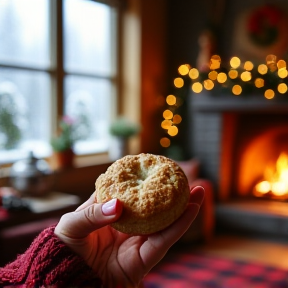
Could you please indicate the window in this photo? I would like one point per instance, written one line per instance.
(54, 64)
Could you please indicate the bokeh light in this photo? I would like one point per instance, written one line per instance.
(173, 131)
(178, 82)
(177, 119)
(184, 69)
(259, 82)
(213, 79)
(237, 90)
(193, 73)
(281, 64)
(248, 65)
(222, 77)
(282, 73)
(166, 124)
(167, 114)
(235, 62)
(213, 75)
(171, 100)
(208, 84)
(233, 74)
(246, 76)
(269, 94)
(282, 88)
(262, 69)
(197, 87)
(165, 142)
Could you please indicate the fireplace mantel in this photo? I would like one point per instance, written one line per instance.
(212, 102)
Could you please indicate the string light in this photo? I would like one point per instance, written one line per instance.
(257, 77)
(193, 73)
(178, 82)
(171, 100)
(262, 69)
(184, 69)
(269, 94)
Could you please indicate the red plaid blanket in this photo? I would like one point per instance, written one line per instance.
(204, 271)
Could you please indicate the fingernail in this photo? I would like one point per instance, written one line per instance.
(109, 208)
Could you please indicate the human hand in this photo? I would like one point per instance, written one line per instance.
(118, 258)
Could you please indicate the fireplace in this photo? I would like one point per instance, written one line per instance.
(242, 143)
(258, 154)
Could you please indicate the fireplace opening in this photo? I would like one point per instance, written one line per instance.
(257, 157)
(274, 183)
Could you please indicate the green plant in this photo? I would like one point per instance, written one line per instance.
(122, 127)
(10, 132)
(67, 135)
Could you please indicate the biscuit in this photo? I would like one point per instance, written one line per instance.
(153, 189)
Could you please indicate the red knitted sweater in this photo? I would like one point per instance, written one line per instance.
(48, 262)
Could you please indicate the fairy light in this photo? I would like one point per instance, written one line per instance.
(184, 69)
(208, 84)
(165, 142)
(281, 64)
(248, 76)
(173, 131)
(221, 77)
(259, 82)
(282, 88)
(177, 119)
(235, 62)
(166, 124)
(193, 73)
(282, 73)
(248, 65)
(213, 75)
(262, 69)
(233, 74)
(236, 90)
(197, 87)
(171, 100)
(167, 114)
(178, 82)
(269, 94)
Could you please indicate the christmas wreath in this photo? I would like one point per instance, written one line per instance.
(263, 25)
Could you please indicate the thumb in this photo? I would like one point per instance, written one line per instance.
(79, 224)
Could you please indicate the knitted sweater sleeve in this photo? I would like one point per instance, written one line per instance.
(48, 262)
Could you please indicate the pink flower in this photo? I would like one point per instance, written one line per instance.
(68, 120)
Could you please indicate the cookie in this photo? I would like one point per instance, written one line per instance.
(153, 189)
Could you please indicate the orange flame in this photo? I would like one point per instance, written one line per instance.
(275, 179)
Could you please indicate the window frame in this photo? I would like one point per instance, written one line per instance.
(56, 70)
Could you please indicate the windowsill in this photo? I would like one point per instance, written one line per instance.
(91, 160)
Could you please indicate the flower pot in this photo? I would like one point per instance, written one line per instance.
(64, 159)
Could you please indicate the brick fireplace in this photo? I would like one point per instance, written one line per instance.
(235, 138)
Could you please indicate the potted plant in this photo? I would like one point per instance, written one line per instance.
(62, 144)
(121, 130)
(11, 116)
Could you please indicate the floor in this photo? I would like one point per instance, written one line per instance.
(238, 247)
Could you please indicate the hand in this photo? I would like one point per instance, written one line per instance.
(118, 258)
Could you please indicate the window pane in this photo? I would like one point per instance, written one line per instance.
(89, 101)
(24, 32)
(24, 112)
(87, 37)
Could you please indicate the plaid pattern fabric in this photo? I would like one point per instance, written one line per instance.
(203, 271)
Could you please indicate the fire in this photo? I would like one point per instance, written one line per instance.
(275, 180)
